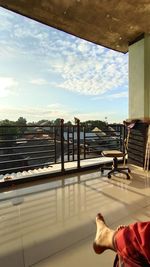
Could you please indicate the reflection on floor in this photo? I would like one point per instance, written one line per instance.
(53, 223)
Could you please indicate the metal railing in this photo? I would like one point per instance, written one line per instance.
(32, 147)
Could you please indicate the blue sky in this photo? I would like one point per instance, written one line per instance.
(48, 74)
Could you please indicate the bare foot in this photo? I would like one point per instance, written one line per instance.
(104, 236)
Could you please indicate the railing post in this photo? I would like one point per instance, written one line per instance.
(55, 143)
(68, 147)
(62, 144)
(120, 131)
(84, 144)
(77, 121)
(123, 138)
(73, 142)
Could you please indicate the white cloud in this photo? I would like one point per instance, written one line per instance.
(112, 96)
(112, 116)
(54, 111)
(7, 86)
(5, 19)
(94, 115)
(39, 81)
(50, 112)
(6, 50)
(81, 67)
(86, 69)
(119, 95)
(83, 47)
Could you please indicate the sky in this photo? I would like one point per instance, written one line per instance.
(48, 74)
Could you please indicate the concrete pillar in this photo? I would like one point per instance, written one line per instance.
(139, 79)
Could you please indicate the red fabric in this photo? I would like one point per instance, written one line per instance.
(133, 245)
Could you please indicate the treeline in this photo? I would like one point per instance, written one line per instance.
(23, 122)
(19, 127)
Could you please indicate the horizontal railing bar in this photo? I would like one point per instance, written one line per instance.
(20, 147)
(103, 146)
(136, 148)
(102, 143)
(101, 138)
(17, 134)
(134, 139)
(96, 151)
(51, 146)
(26, 153)
(25, 140)
(92, 136)
(115, 131)
(135, 142)
(25, 159)
(135, 158)
(93, 151)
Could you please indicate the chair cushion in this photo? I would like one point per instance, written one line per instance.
(112, 153)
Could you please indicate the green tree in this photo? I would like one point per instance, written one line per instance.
(68, 123)
(8, 129)
(21, 121)
(22, 125)
(57, 121)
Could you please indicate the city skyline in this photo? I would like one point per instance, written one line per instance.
(47, 74)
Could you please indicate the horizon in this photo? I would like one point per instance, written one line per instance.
(48, 74)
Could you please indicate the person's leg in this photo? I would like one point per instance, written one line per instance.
(133, 244)
(130, 242)
(104, 236)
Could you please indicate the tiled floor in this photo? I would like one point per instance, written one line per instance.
(52, 224)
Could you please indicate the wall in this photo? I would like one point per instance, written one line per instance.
(136, 80)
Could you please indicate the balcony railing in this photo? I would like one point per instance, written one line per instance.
(32, 147)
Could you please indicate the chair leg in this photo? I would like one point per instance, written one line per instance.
(109, 173)
(116, 169)
(126, 173)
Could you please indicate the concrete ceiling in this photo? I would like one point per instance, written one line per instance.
(111, 23)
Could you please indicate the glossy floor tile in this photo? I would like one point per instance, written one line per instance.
(53, 223)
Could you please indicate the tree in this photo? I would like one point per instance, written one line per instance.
(68, 123)
(57, 122)
(22, 125)
(8, 129)
(21, 121)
